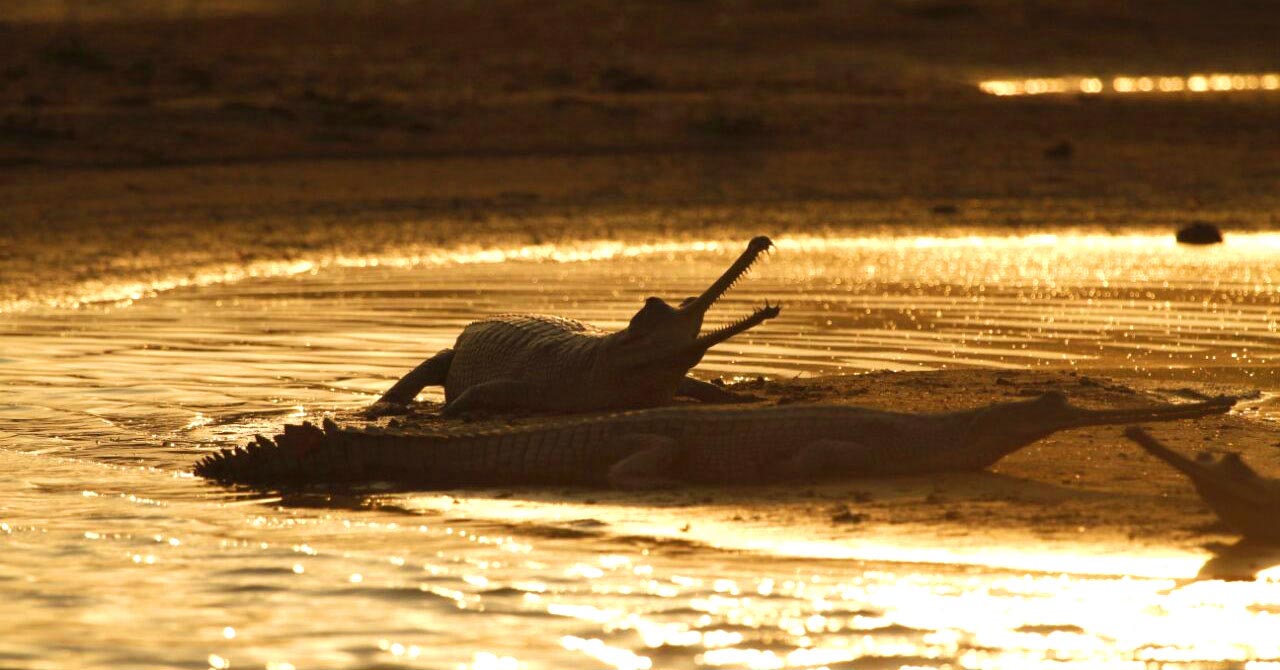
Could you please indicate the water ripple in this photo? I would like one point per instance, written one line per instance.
(115, 557)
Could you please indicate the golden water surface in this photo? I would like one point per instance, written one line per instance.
(112, 555)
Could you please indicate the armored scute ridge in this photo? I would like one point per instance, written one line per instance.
(669, 446)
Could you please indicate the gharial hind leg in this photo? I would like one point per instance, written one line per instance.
(431, 372)
(826, 458)
(649, 465)
(498, 394)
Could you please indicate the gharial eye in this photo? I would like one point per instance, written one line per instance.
(654, 312)
(1053, 398)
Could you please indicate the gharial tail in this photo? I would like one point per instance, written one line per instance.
(301, 454)
(304, 455)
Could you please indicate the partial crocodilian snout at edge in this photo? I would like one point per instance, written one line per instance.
(1243, 499)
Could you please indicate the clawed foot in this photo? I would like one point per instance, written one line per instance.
(384, 408)
(731, 398)
(718, 394)
(460, 412)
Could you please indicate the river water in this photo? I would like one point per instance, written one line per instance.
(112, 555)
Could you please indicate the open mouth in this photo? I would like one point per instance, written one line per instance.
(755, 248)
(745, 323)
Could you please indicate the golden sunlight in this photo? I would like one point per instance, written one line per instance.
(1124, 84)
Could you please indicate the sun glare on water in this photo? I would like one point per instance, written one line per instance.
(1130, 84)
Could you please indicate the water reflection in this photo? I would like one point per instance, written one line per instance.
(114, 557)
(1243, 560)
(215, 360)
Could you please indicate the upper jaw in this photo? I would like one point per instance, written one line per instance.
(693, 310)
(699, 305)
(697, 308)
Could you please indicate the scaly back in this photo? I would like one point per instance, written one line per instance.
(527, 347)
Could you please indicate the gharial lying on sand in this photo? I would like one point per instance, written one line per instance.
(1242, 498)
(521, 361)
(660, 447)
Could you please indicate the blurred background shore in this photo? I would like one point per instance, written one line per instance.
(140, 136)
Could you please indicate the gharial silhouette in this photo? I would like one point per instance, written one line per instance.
(521, 361)
(674, 445)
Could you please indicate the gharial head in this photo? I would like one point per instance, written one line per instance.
(990, 433)
(666, 336)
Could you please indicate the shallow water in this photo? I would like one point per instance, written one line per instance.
(116, 557)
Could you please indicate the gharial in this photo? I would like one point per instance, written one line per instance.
(521, 361)
(659, 447)
(1243, 499)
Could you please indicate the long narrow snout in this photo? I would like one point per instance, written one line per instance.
(999, 430)
(699, 305)
(696, 308)
(1102, 417)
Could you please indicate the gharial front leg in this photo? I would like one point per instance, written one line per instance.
(431, 372)
(707, 392)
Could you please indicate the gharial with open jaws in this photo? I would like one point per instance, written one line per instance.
(548, 363)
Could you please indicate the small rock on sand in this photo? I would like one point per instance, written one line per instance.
(846, 515)
(1061, 151)
(1199, 232)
